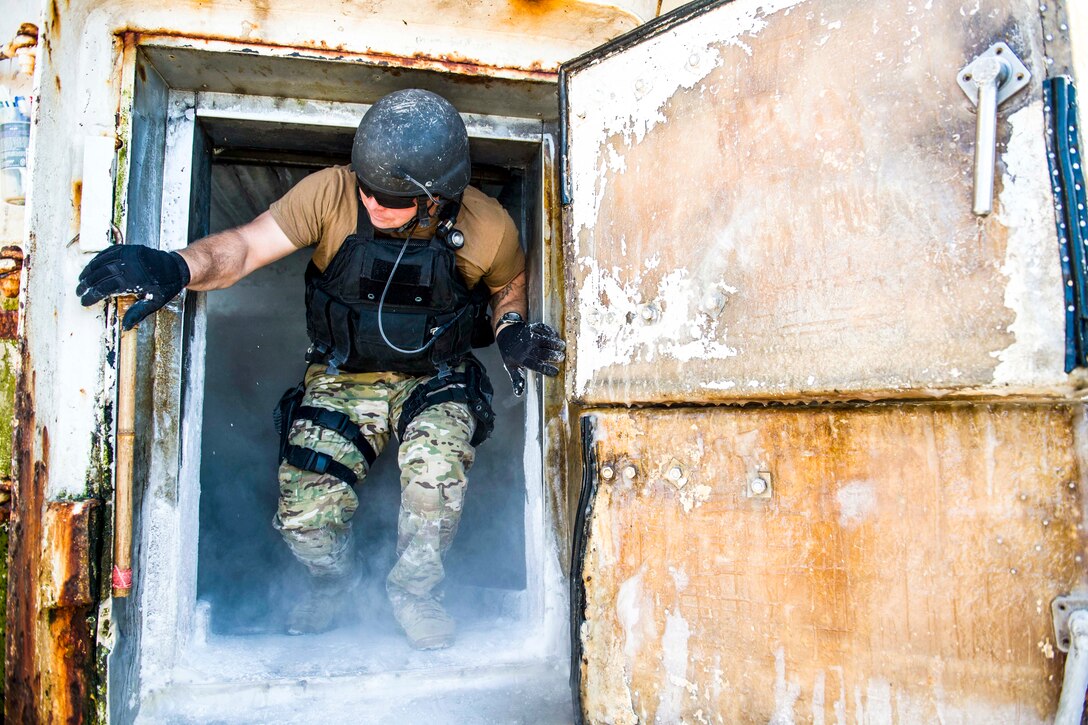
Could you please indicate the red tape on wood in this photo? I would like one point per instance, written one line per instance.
(122, 578)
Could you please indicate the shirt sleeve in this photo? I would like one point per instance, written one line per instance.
(302, 212)
(509, 259)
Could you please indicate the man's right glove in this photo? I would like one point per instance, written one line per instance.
(156, 277)
(532, 345)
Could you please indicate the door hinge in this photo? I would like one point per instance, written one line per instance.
(1067, 178)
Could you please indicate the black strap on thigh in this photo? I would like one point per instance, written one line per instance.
(470, 387)
(290, 409)
(339, 423)
(310, 460)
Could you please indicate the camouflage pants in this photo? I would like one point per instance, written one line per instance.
(315, 510)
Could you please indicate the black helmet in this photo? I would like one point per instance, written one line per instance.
(412, 143)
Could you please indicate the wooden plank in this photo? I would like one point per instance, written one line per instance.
(901, 571)
(773, 200)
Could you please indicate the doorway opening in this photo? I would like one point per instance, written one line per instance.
(216, 579)
(256, 337)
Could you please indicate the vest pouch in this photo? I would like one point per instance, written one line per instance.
(284, 414)
(456, 340)
(406, 330)
(319, 317)
(421, 279)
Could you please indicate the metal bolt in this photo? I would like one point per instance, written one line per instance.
(648, 313)
(675, 473)
(630, 472)
(758, 486)
(607, 473)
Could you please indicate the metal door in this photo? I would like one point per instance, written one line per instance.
(774, 200)
(876, 564)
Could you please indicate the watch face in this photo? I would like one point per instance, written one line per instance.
(511, 317)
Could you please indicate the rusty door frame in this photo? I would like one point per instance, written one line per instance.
(169, 511)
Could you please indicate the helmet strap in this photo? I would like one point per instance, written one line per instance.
(423, 212)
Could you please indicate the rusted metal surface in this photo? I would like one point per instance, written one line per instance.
(11, 267)
(524, 40)
(457, 63)
(23, 676)
(48, 650)
(49, 618)
(750, 220)
(9, 324)
(289, 73)
(67, 550)
(900, 570)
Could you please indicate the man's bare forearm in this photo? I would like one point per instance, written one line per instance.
(511, 298)
(220, 260)
(216, 261)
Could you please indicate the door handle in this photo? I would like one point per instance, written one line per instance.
(989, 80)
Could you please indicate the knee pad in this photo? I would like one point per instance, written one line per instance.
(430, 500)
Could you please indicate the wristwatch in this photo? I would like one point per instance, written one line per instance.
(508, 318)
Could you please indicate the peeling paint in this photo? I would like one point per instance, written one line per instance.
(616, 325)
(692, 497)
(624, 101)
(785, 692)
(856, 500)
(1033, 269)
(631, 602)
(674, 659)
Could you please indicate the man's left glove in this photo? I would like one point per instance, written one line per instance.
(531, 345)
(156, 277)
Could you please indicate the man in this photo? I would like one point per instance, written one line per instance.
(407, 257)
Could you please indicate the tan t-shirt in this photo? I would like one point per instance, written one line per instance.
(322, 210)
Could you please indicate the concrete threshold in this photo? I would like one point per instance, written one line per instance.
(496, 672)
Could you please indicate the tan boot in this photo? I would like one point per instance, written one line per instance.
(424, 621)
(322, 604)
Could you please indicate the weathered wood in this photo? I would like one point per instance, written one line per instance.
(901, 571)
(126, 439)
(774, 201)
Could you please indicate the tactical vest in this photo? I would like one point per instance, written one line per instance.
(428, 304)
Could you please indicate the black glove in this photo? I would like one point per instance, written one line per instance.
(532, 345)
(156, 277)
